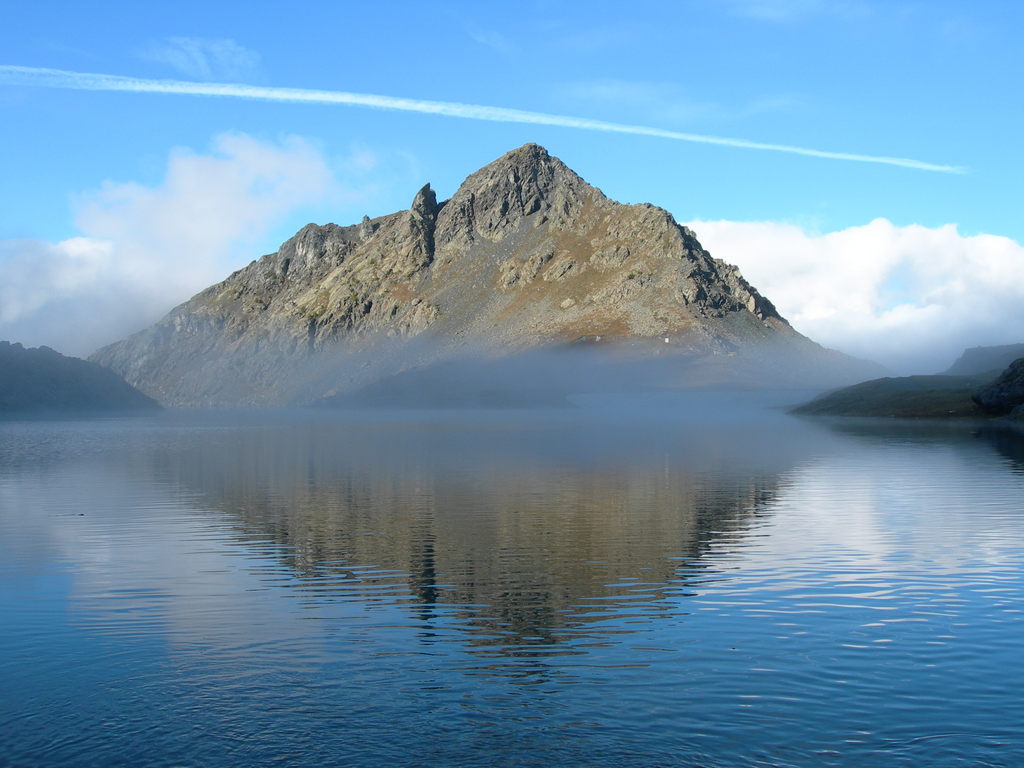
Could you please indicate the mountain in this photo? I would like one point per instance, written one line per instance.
(41, 380)
(902, 397)
(985, 360)
(526, 255)
(984, 381)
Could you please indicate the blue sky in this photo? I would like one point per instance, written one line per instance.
(937, 82)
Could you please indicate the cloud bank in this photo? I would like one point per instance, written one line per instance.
(204, 58)
(144, 249)
(910, 297)
(56, 78)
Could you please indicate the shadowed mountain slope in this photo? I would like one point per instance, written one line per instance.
(985, 360)
(40, 380)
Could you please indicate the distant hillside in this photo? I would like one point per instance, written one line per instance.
(984, 360)
(41, 380)
(983, 382)
(905, 397)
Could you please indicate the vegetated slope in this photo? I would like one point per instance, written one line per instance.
(41, 380)
(525, 255)
(908, 397)
(979, 392)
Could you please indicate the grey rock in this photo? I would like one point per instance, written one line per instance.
(425, 202)
(1004, 395)
(365, 228)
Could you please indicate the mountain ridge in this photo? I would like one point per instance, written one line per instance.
(525, 254)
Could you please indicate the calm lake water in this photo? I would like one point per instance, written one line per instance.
(643, 587)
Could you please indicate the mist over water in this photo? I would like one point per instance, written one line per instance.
(673, 372)
(694, 580)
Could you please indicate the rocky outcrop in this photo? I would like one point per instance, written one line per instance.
(1005, 395)
(41, 380)
(524, 255)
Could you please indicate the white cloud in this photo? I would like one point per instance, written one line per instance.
(204, 58)
(491, 39)
(144, 249)
(55, 271)
(911, 297)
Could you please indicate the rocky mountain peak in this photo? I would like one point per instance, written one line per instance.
(525, 254)
(493, 202)
(527, 156)
(528, 169)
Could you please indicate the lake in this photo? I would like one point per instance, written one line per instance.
(656, 584)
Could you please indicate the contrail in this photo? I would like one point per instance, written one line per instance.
(86, 81)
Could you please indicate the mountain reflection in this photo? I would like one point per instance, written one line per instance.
(518, 531)
(1005, 438)
(1008, 440)
(328, 587)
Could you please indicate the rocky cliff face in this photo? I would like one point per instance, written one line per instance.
(526, 254)
(1005, 395)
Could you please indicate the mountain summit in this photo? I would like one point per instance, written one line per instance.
(524, 255)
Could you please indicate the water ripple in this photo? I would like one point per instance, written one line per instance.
(188, 594)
